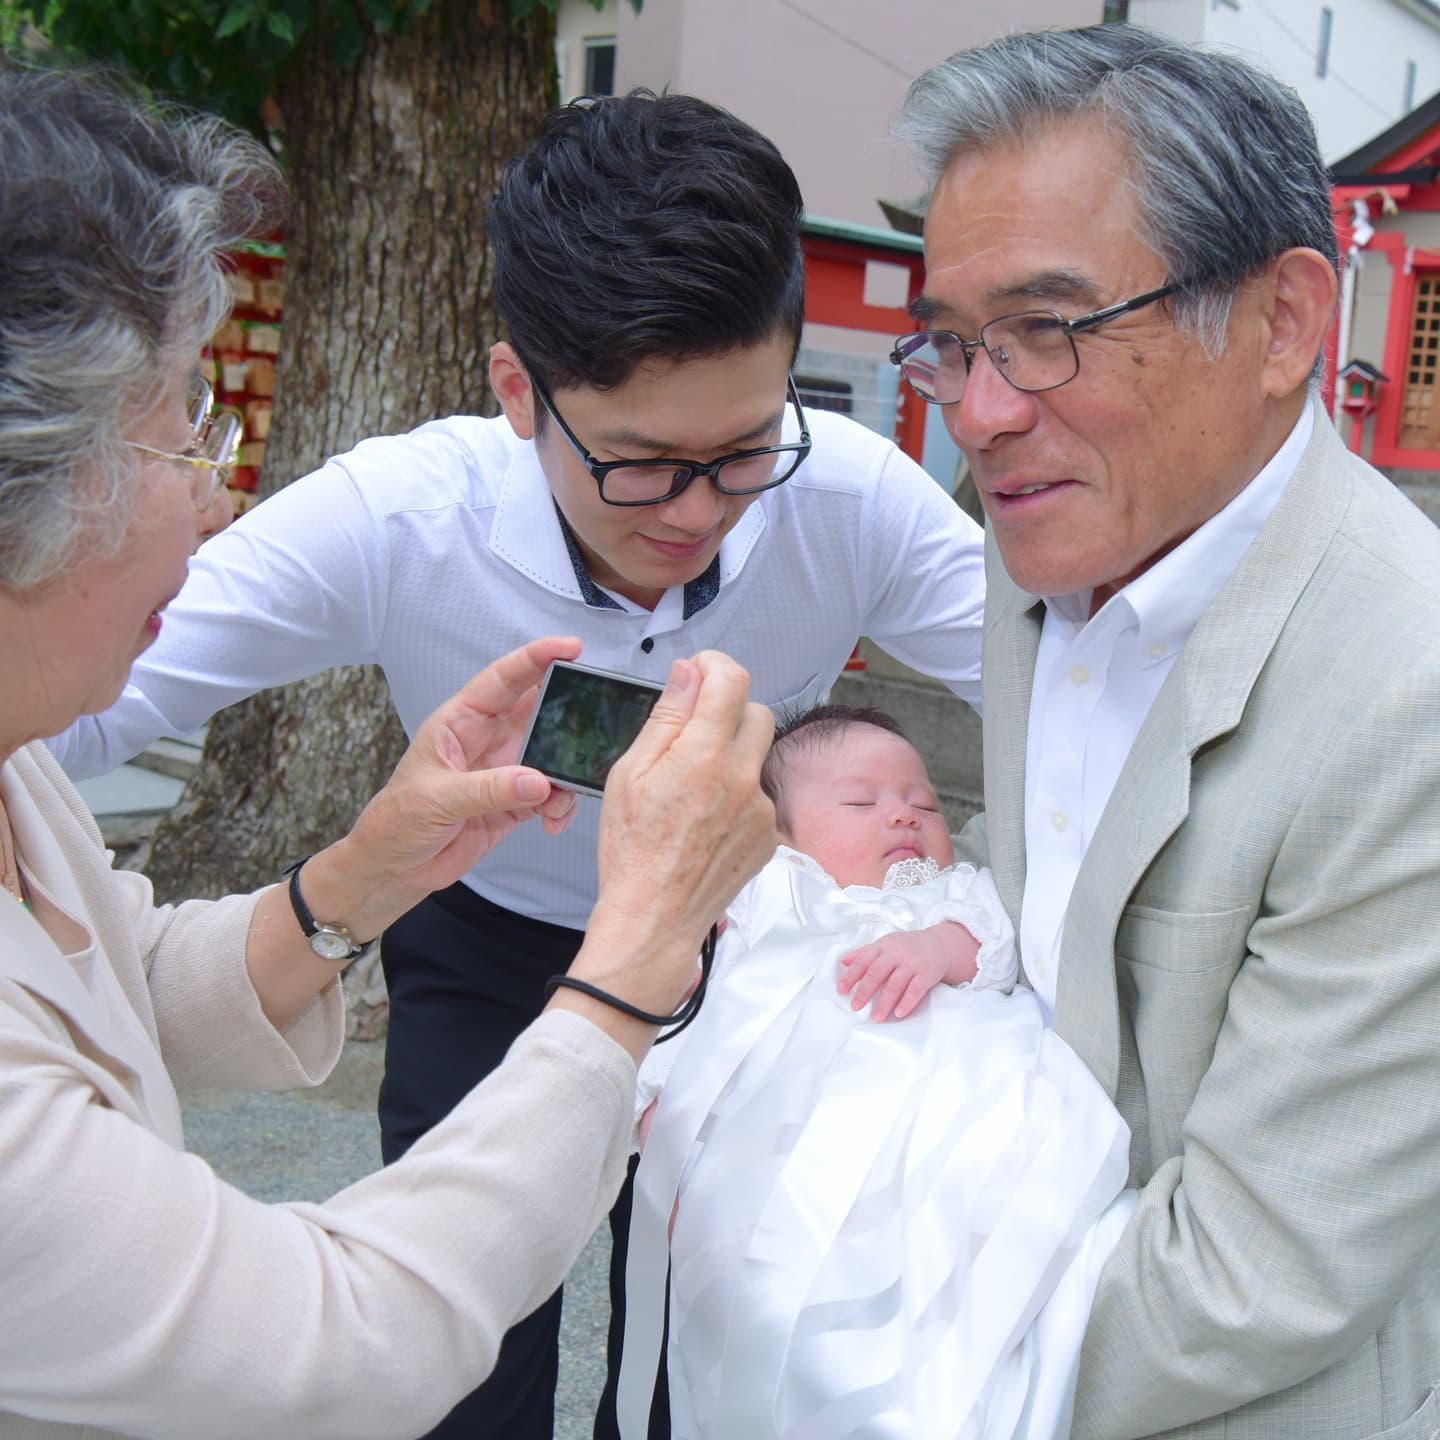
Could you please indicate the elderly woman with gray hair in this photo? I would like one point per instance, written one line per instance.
(140, 1294)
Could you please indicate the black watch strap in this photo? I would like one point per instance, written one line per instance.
(329, 942)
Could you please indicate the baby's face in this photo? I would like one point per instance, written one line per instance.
(862, 802)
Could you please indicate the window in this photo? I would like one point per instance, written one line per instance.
(600, 65)
(1409, 102)
(819, 393)
(1419, 414)
(1322, 51)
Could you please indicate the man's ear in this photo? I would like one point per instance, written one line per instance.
(511, 384)
(1300, 313)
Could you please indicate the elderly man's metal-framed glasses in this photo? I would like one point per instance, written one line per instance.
(213, 449)
(652, 482)
(1034, 350)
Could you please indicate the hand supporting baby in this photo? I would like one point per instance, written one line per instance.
(900, 969)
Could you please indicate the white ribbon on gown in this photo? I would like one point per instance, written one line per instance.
(882, 1230)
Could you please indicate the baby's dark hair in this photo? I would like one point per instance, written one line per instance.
(804, 732)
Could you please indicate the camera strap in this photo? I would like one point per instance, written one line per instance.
(678, 1021)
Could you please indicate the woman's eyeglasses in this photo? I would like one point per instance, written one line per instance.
(213, 450)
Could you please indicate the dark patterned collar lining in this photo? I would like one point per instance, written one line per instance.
(699, 592)
(590, 592)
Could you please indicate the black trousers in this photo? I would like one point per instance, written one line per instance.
(465, 978)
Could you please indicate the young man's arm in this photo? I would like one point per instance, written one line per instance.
(295, 587)
(922, 576)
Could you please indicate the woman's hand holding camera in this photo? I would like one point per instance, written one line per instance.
(456, 793)
(684, 825)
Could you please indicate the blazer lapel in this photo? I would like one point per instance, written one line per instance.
(1203, 697)
(1149, 802)
(31, 958)
(1012, 635)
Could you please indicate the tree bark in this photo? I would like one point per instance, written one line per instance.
(388, 322)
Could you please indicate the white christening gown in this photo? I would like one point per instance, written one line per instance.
(882, 1231)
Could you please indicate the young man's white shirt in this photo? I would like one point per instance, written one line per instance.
(433, 553)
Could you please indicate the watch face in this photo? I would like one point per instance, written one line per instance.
(331, 944)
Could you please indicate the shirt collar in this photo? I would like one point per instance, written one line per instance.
(590, 592)
(1167, 600)
(699, 592)
(530, 534)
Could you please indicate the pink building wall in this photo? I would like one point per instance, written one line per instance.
(822, 78)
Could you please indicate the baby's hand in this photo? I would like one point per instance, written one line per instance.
(899, 970)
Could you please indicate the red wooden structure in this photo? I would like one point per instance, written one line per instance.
(1396, 180)
(836, 259)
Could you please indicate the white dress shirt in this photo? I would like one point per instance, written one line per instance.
(1095, 681)
(432, 553)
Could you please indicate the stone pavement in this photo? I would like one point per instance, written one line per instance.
(307, 1144)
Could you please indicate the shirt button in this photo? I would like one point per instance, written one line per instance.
(1059, 822)
(647, 644)
(1081, 674)
(1157, 651)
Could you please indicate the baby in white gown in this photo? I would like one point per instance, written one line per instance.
(880, 1230)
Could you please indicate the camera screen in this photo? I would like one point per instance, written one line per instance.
(584, 722)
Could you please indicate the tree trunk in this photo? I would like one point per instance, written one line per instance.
(388, 322)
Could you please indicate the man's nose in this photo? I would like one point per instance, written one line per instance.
(990, 407)
(697, 509)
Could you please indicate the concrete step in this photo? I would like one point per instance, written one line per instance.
(128, 802)
(175, 758)
(133, 791)
(959, 807)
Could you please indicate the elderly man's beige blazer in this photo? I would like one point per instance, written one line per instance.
(1251, 966)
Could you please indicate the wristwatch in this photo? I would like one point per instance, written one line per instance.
(329, 942)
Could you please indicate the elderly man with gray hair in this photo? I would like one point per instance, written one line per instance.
(1212, 718)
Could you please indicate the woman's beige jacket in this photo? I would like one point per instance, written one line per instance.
(139, 1294)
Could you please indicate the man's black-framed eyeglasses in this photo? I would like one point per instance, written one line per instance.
(651, 482)
(1034, 350)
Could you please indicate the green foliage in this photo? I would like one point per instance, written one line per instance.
(221, 54)
(21, 22)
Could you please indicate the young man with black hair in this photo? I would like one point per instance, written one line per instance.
(654, 487)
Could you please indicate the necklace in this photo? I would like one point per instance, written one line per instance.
(9, 866)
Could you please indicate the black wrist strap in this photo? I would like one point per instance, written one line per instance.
(679, 1020)
(297, 901)
(308, 925)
